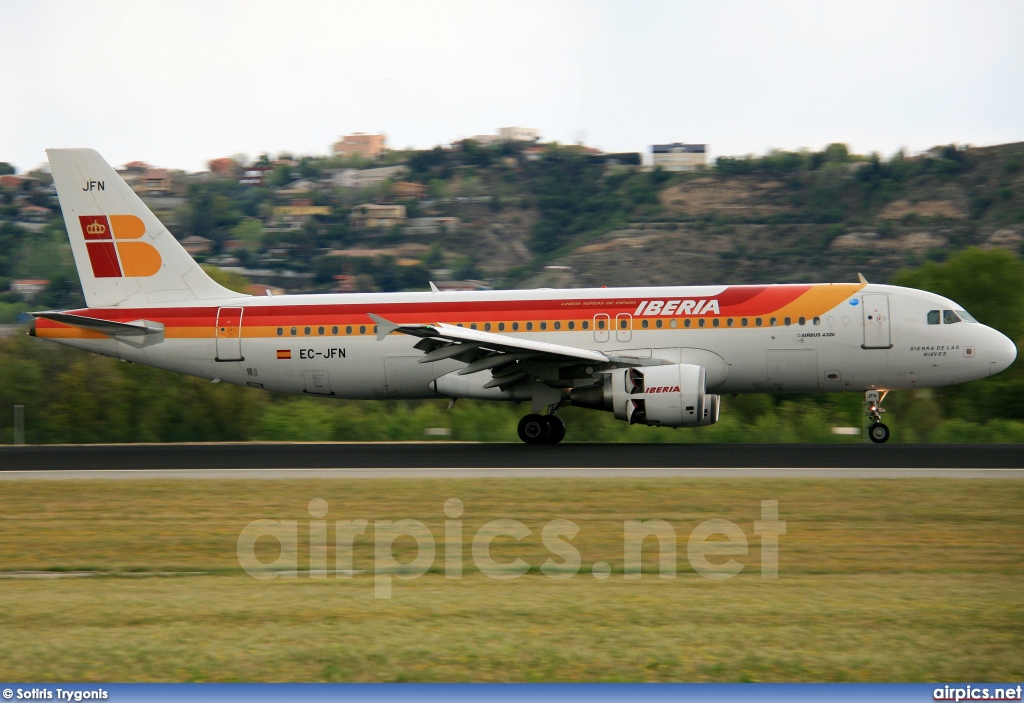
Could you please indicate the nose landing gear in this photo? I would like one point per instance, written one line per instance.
(878, 431)
(541, 429)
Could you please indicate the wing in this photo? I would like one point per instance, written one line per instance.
(509, 359)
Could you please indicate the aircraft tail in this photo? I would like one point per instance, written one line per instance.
(125, 256)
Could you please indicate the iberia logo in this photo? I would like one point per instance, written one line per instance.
(112, 251)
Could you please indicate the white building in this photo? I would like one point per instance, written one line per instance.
(519, 134)
(363, 178)
(679, 157)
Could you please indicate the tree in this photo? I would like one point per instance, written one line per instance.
(6, 169)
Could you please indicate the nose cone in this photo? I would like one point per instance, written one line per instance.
(1003, 352)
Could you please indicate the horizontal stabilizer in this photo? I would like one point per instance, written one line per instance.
(131, 329)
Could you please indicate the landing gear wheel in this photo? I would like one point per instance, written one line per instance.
(534, 429)
(556, 429)
(879, 433)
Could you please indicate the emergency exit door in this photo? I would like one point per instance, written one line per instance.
(876, 321)
(229, 334)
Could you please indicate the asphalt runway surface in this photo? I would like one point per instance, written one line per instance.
(449, 460)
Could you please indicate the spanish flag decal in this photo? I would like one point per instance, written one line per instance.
(284, 353)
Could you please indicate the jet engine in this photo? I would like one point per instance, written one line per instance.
(672, 395)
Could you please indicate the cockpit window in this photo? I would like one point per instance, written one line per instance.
(965, 316)
(933, 317)
(949, 317)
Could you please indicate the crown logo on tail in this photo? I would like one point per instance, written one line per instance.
(96, 228)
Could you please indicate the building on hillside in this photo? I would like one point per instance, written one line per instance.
(508, 134)
(195, 244)
(155, 182)
(29, 288)
(362, 145)
(486, 139)
(432, 225)
(34, 213)
(224, 166)
(344, 284)
(299, 212)
(11, 181)
(406, 190)
(255, 175)
(679, 157)
(374, 216)
(365, 177)
(519, 134)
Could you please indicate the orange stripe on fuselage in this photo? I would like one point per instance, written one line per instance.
(263, 321)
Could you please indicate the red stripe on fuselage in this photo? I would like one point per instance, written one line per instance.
(734, 301)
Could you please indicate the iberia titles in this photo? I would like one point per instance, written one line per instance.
(650, 308)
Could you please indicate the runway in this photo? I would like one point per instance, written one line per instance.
(472, 460)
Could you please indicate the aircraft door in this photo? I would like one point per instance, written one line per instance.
(229, 334)
(876, 321)
(601, 324)
(623, 327)
(318, 382)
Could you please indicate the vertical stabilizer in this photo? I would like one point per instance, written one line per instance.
(125, 256)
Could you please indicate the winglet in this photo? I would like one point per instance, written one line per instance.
(862, 279)
(433, 288)
(384, 327)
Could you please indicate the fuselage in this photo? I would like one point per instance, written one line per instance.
(800, 338)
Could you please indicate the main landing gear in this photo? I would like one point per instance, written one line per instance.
(878, 432)
(541, 429)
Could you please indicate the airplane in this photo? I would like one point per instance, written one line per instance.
(661, 355)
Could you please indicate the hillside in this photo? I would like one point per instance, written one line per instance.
(511, 215)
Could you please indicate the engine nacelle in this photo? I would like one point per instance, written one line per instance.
(671, 395)
(712, 403)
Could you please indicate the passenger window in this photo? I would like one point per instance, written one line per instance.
(543, 325)
(787, 322)
(334, 330)
(772, 322)
(586, 324)
(701, 322)
(515, 326)
(743, 322)
(280, 331)
(572, 325)
(644, 323)
(715, 322)
(362, 329)
(558, 325)
(817, 320)
(657, 323)
(472, 326)
(802, 321)
(758, 322)
(949, 317)
(622, 324)
(686, 322)
(294, 330)
(729, 322)
(600, 324)
(501, 326)
(529, 326)
(672, 323)
(933, 317)
(487, 327)
(348, 329)
(319, 330)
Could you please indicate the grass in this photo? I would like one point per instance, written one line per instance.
(887, 580)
